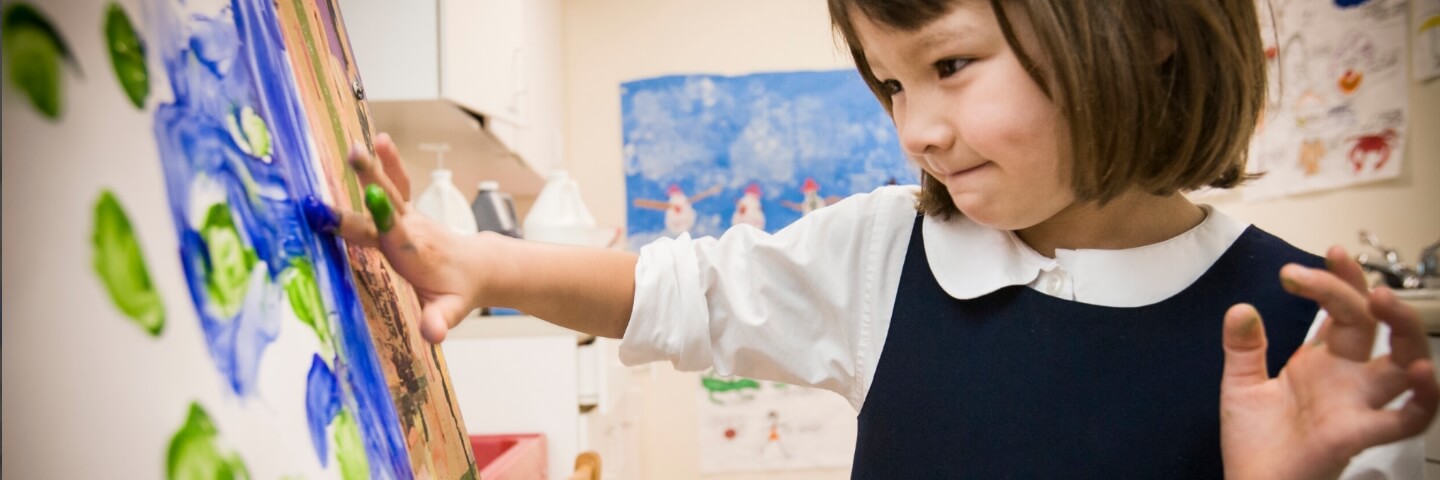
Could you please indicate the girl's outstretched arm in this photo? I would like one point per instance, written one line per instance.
(586, 289)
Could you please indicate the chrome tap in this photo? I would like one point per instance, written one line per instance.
(1429, 264)
(1396, 273)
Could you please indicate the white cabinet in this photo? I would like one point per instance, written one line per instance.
(519, 385)
(500, 58)
(519, 374)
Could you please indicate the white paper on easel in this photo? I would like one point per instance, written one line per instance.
(1426, 27)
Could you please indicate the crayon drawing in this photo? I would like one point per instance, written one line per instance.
(1336, 107)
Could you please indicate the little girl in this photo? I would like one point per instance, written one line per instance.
(1046, 305)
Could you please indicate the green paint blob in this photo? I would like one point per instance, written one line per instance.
(195, 453)
(715, 386)
(304, 295)
(228, 275)
(33, 51)
(121, 266)
(349, 449)
(380, 208)
(250, 133)
(127, 55)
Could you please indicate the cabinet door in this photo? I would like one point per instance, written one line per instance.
(482, 57)
(394, 43)
(519, 385)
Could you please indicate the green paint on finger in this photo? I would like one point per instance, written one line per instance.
(231, 260)
(196, 454)
(304, 295)
(127, 55)
(120, 265)
(349, 448)
(380, 208)
(33, 53)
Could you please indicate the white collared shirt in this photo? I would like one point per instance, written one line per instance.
(811, 304)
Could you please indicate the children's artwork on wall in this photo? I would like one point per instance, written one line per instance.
(706, 153)
(1426, 63)
(750, 425)
(1336, 107)
(170, 299)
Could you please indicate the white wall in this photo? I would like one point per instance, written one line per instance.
(612, 41)
(608, 42)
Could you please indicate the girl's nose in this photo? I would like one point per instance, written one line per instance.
(924, 127)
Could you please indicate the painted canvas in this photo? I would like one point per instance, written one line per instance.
(169, 310)
(706, 153)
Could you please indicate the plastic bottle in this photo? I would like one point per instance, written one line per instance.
(442, 201)
(559, 215)
(494, 210)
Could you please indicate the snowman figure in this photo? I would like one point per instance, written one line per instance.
(748, 210)
(679, 209)
(812, 200)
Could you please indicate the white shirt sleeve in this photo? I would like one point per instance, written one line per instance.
(793, 307)
(1404, 459)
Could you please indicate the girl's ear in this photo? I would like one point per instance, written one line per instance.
(1164, 46)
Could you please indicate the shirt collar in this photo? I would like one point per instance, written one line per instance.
(970, 260)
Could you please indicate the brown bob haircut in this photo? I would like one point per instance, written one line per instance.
(1159, 95)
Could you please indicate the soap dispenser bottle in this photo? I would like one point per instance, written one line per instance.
(442, 201)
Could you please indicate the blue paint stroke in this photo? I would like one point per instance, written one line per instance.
(771, 129)
(220, 63)
(1350, 3)
(322, 403)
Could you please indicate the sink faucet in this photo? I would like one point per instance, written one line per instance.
(1396, 273)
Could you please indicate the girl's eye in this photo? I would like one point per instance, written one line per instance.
(890, 87)
(949, 66)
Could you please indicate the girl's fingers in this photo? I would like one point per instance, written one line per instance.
(393, 166)
(358, 230)
(370, 172)
(1341, 265)
(1244, 340)
(1408, 342)
(1351, 332)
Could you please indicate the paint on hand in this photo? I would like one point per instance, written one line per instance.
(322, 403)
(250, 133)
(304, 295)
(319, 216)
(230, 261)
(127, 55)
(380, 208)
(121, 266)
(349, 449)
(196, 454)
(33, 51)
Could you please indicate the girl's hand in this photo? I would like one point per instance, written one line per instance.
(441, 265)
(1328, 404)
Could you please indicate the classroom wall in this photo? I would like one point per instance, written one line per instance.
(607, 42)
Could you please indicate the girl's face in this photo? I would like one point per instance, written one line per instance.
(969, 114)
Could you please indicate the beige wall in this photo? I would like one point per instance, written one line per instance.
(607, 42)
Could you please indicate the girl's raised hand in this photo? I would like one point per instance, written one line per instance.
(442, 266)
(1328, 403)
